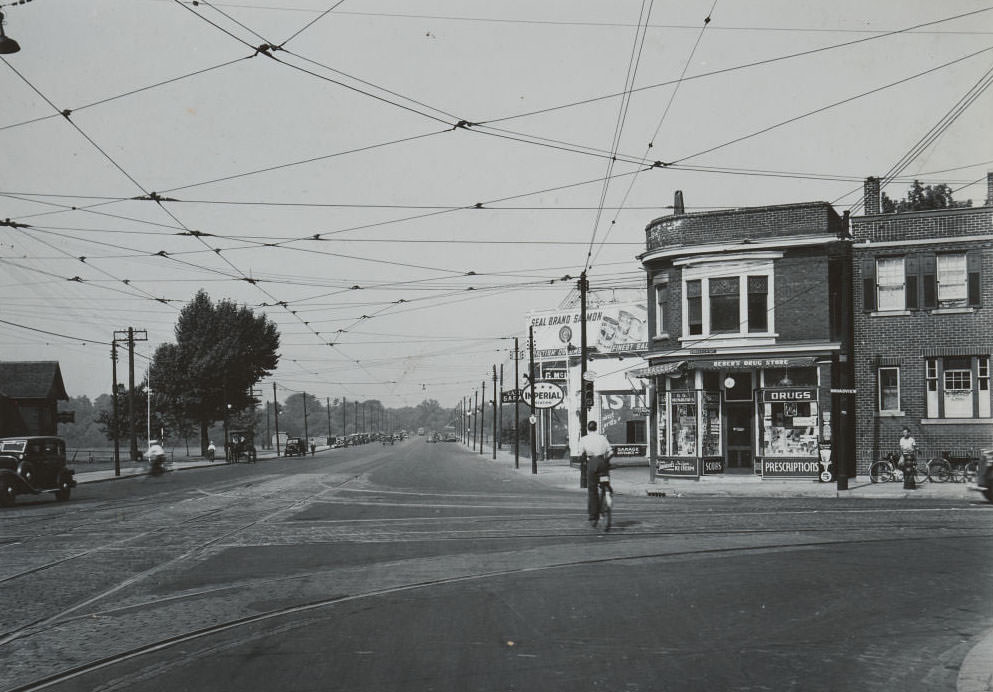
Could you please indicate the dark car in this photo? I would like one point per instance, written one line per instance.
(451, 437)
(34, 465)
(295, 447)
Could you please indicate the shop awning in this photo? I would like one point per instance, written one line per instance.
(661, 369)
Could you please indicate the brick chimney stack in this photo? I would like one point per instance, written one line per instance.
(989, 189)
(678, 208)
(872, 201)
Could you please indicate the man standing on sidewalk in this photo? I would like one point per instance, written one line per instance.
(598, 451)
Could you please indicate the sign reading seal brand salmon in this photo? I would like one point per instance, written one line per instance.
(546, 395)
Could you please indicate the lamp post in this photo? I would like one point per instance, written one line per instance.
(7, 44)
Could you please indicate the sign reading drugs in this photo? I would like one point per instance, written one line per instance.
(546, 395)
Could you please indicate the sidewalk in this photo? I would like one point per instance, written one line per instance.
(136, 469)
(635, 480)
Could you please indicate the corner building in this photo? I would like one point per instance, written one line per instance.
(923, 328)
(749, 352)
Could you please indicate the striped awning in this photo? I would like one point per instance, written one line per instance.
(660, 369)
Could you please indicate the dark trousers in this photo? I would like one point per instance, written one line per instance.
(594, 467)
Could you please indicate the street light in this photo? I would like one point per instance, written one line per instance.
(7, 44)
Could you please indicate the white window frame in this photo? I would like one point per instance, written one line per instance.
(705, 268)
(660, 292)
(891, 288)
(879, 388)
(938, 399)
(953, 283)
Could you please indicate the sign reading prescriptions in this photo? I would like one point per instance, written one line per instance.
(546, 395)
(610, 328)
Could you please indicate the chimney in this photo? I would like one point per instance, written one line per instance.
(989, 189)
(872, 202)
(677, 204)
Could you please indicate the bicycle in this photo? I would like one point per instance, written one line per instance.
(606, 502)
(891, 469)
(957, 469)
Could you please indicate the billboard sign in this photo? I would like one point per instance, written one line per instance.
(610, 328)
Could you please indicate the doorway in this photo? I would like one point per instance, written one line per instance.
(738, 432)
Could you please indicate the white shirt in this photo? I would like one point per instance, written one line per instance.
(594, 444)
(908, 445)
(154, 451)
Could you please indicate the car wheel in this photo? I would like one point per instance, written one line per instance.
(64, 491)
(7, 494)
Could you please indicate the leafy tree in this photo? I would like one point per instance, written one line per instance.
(221, 351)
(923, 198)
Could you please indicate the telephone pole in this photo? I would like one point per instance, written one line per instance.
(130, 336)
(533, 419)
(116, 428)
(496, 398)
(275, 415)
(584, 405)
(517, 406)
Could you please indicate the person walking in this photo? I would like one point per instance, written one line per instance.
(598, 451)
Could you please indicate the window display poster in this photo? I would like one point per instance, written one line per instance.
(789, 429)
(663, 449)
(711, 433)
(684, 430)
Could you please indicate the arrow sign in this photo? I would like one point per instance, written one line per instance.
(546, 395)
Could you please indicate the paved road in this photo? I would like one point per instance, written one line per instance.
(425, 567)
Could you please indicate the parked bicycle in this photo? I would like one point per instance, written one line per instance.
(892, 469)
(956, 468)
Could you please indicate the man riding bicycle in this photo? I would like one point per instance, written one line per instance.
(598, 451)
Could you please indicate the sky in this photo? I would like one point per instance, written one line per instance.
(397, 184)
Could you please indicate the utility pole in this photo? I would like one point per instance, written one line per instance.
(475, 422)
(116, 428)
(532, 418)
(500, 409)
(268, 437)
(306, 431)
(517, 405)
(584, 405)
(328, 400)
(344, 421)
(275, 415)
(496, 397)
(482, 418)
(130, 336)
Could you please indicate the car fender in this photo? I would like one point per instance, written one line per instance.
(19, 485)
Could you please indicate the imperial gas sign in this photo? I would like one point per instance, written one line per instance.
(546, 395)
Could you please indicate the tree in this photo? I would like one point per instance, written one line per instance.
(221, 351)
(923, 198)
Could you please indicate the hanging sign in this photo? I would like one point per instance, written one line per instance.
(509, 396)
(546, 395)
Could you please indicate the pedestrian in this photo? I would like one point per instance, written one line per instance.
(598, 451)
(908, 448)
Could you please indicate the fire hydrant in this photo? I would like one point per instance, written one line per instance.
(909, 466)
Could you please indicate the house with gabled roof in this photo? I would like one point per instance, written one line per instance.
(29, 396)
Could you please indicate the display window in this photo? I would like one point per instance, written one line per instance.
(789, 423)
(683, 416)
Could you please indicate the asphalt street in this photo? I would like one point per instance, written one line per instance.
(427, 567)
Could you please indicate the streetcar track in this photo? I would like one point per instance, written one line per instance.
(304, 608)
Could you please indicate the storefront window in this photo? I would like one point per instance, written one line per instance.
(711, 433)
(789, 423)
(684, 423)
(663, 448)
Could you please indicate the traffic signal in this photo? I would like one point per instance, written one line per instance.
(588, 394)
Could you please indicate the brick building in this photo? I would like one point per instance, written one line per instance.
(923, 327)
(750, 331)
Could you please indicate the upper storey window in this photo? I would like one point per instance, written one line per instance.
(728, 298)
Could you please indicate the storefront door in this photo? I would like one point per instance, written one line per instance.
(738, 433)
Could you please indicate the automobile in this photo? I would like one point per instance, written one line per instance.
(295, 447)
(34, 465)
(451, 437)
(984, 474)
(431, 437)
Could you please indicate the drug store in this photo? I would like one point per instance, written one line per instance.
(767, 416)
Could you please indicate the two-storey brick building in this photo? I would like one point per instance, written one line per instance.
(750, 331)
(923, 327)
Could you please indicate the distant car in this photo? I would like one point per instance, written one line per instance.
(34, 465)
(295, 447)
(431, 437)
(451, 437)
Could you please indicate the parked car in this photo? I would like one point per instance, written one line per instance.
(984, 474)
(34, 465)
(295, 447)
(451, 437)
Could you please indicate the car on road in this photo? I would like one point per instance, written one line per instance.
(451, 437)
(295, 447)
(431, 437)
(34, 465)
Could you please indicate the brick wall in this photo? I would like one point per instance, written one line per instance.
(735, 225)
(903, 339)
